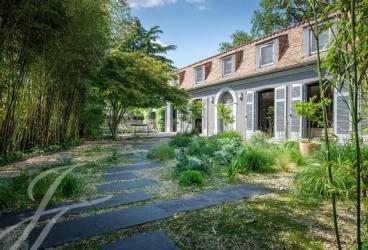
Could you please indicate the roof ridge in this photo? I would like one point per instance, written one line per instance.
(247, 43)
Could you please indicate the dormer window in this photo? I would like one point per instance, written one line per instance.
(228, 65)
(266, 54)
(199, 74)
(323, 38)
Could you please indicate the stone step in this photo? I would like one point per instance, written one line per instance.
(135, 166)
(121, 176)
(9, 219)
(118, 186)
(67, 231)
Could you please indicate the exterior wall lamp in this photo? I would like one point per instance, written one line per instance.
(241, 96)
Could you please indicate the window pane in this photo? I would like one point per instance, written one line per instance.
(267, 55)
(199, 74)
(227, 66)
(323, 41)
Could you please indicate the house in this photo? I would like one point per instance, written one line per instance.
(260, 81)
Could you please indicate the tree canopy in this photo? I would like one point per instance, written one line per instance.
(239, 37)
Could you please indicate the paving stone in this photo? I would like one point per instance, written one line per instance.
(116, 186)
(77, 229)
(156, 240)
(134, 166)
(9, 219)
(121, 176)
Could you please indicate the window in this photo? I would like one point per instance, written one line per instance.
(199, 74)
(266, 54)
(227, 66)
(324, 37)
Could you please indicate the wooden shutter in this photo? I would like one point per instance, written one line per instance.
(280, 113)
(249, 109)
(342, 118)
(204, 116)
(296, 123)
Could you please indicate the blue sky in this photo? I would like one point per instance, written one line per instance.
(195, 26)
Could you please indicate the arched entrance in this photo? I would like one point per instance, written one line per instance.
(227, 97)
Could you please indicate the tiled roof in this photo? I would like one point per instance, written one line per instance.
(256, 40)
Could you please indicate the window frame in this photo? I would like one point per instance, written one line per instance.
(232, 60)
(311, 35)
(203, 74)
(260, 54)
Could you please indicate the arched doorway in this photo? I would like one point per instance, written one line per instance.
(227, 97)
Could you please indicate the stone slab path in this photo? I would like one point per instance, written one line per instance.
(9, 219)
(136, 166)
(118, 186)
(121, 176)
(156, 240)
(77, 229)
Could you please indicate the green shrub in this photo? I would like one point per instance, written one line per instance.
(290, 150)
(13, 190)
(229, 148)
(191, 177)
(231, 134)
(284, 162)
(199, 163)
(71, 186)
(255, 159)
(233, 169)
(313, 180)
(339, 153)
(162, 152)
(259, 139)
(180, 141)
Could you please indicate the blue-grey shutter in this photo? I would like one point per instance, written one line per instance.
(280, 113)
(168, 118)
(258, 57)
(306, 41)
(204, 116)
(342, 118)
(296, 122)
(249, 115)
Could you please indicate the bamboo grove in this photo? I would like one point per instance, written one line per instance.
(47, 51)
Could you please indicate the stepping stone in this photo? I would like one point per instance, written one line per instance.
(122, 176)
(156, 240)
(9, 219)
(116, 186)
(77, 229)
(136, 166)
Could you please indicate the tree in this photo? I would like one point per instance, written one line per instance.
(225, 114)
(347, 67)
(136, 38)
(134, 80)
(239, 37)
(274, 15)
(48, 51)
(312, 111)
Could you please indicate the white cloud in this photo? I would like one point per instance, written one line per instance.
(202, 7)
(200, 4)
(148, 3)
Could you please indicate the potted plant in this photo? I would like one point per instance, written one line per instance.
(311, 110)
